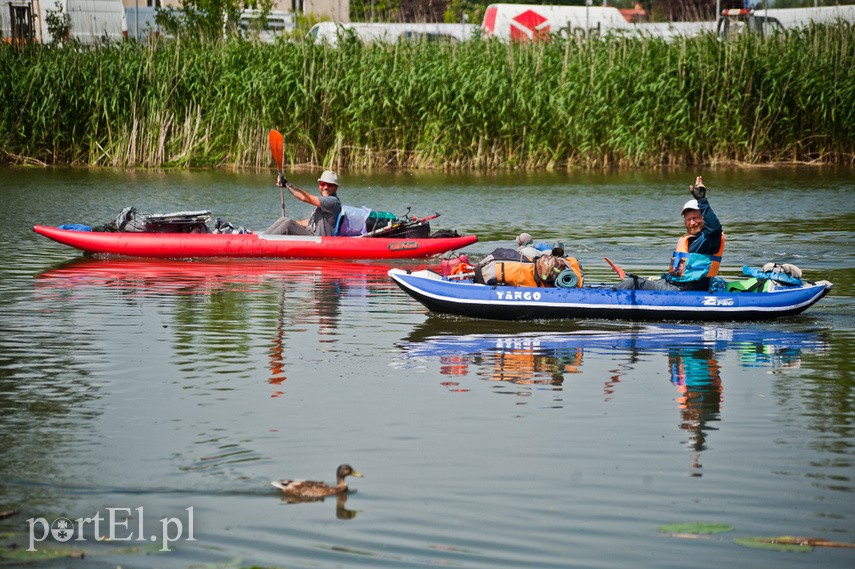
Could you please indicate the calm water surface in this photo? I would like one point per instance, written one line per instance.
(157, 386)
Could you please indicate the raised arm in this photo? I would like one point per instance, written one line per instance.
(303, 195)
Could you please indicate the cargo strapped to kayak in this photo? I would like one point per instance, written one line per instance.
(130, 220)
(365, 222)
(405, 227)
(777, 273)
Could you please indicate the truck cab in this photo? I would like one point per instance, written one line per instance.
(736, 21)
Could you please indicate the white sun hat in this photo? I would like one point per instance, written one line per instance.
(329, 177)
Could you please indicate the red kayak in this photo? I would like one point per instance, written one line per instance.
(191, 245)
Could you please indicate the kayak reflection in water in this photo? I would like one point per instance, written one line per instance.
(320, 309)
(697, 376)
(516, 361)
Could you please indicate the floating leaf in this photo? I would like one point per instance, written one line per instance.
(773, 543)
(696, 527)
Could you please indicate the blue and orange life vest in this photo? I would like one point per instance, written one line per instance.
(688, 267)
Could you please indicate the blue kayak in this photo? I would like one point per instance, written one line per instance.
(466, 298)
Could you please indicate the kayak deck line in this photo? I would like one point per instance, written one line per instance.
(299, 238)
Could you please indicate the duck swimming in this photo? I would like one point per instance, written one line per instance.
(310, 489)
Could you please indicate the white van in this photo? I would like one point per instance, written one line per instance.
(531, 22)
(91, 21)
(329, 32)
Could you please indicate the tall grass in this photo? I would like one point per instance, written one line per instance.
(576, 102)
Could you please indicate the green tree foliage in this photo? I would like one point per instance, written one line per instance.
(58, 24)
(473, 10)
(206, 19)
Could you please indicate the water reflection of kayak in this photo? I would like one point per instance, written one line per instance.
(252, 245)
(186, 277)
(646, 339)
(466, 298)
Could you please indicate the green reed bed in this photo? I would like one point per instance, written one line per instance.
(576, 102)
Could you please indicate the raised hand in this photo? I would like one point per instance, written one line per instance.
(698, 190)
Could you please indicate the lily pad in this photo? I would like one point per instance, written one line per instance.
(772, 543)
(696, 527)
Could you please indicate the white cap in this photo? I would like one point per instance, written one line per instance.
(329, 177)
(523, 239)
(691, 204)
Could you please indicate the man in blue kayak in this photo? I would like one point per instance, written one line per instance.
(323, 218)
(698, 253)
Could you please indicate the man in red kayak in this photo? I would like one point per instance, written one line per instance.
(323, 218)
(698, 253)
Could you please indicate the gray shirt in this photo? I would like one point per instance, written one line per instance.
(325, 216)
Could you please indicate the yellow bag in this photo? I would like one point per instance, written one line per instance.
(514, 273)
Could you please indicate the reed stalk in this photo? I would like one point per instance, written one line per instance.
(576, 102)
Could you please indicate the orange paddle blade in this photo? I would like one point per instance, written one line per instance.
(620, 272)
(277, 142)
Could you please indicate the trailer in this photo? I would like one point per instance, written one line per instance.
(533, 22)
(90, 21)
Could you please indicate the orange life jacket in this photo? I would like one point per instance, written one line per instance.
(688, 267)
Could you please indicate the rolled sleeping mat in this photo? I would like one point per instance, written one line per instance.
(567, 279)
